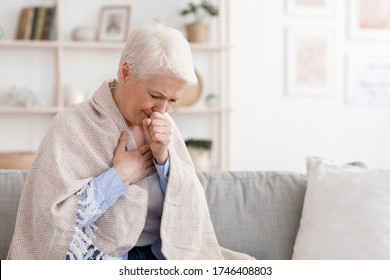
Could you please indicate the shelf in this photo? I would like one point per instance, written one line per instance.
(33, 110)
(54, 110)
(120, 45)
(184, 110)
(93, 45)
(208, 47)
(58, 44)
(96, 45)
(29, 44)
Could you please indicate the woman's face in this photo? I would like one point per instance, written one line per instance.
(141, 98)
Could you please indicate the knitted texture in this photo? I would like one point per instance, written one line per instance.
(79, 146)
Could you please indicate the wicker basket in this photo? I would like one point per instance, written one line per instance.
(16, 160)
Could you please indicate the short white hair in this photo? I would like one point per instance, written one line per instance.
(156, 49)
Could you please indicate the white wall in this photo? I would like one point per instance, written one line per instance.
(273, 131)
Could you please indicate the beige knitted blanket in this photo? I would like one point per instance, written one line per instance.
(79, 146)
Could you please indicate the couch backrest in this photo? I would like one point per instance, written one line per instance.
(11, 185)
(252, 212)
(257, 213)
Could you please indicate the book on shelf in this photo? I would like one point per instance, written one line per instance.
(40, 21)
(36, 23)
(25, 23)
(22, 24)
(49, 25)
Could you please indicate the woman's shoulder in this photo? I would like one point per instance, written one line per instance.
(72, 112)
(70, 117)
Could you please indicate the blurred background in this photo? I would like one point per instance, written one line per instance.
(279, 80)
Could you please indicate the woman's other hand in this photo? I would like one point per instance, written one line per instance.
(132, 166)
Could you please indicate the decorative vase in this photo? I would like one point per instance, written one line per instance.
(201, 158)
(198, 33)
(212, 100)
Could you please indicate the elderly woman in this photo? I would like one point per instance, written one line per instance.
(112, 177)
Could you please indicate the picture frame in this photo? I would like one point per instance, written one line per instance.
(309, 61)
(310, 7)
(368, 80)
(369, 19)
(114, 23)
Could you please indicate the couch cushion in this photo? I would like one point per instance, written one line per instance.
(257, 213)
(346, 213)
(11, 185)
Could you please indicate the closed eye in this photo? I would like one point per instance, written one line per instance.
(161, 97)
(156, 96)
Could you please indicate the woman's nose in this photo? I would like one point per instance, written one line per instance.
(162, 106)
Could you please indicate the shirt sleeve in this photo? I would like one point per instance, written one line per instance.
(163, 174)
(97, 196)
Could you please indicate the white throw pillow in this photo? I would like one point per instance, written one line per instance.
(346, 213)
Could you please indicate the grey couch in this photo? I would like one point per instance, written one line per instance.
(253, 212)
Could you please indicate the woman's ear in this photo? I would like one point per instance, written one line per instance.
(125, 72)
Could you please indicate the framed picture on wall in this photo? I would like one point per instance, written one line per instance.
(310, 7)
(114, 23)
(369, 19)
(309, 62)
(368, 80)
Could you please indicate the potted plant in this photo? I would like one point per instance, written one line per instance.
(198, 29)
(200, 152)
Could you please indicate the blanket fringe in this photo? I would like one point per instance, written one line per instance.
(81, 248)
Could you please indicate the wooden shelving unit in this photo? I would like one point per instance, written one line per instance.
(220, 49)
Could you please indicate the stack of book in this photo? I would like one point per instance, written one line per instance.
(36, 23)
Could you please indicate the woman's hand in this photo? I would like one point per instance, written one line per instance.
(158, 132)
(132, 166)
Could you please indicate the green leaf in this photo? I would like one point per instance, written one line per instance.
(209, 9)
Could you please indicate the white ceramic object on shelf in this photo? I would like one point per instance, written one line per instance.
(73, 95)
(25, 97)
(83, 33)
